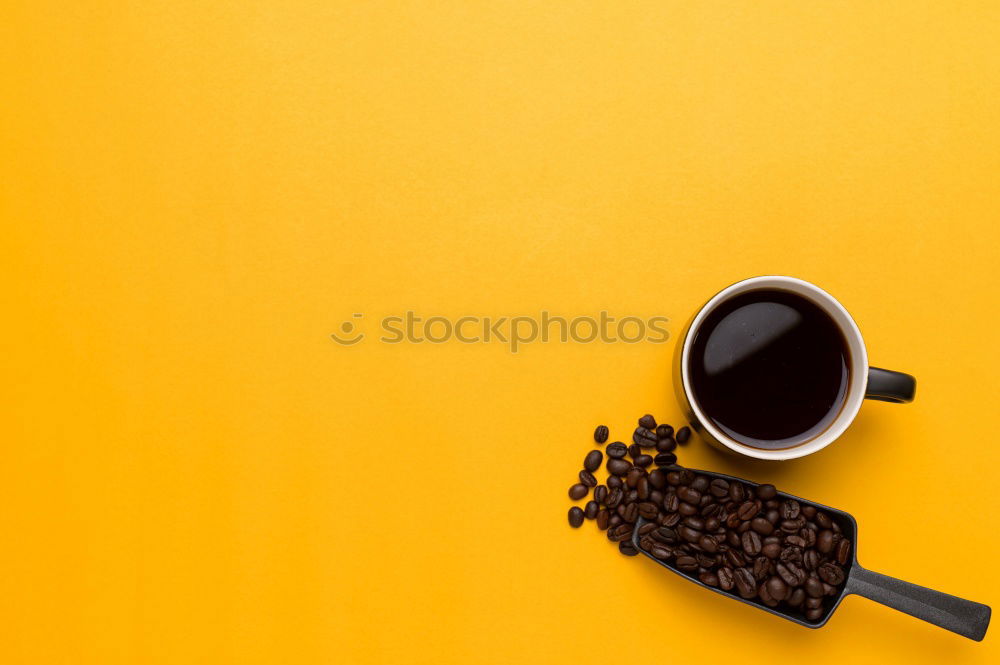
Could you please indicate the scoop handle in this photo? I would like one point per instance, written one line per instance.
(965, 617)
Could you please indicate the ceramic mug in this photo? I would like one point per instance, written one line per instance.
(864, 381)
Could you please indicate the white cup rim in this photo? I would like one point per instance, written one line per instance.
(858, 371)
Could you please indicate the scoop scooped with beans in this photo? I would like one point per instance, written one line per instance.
(791, 557)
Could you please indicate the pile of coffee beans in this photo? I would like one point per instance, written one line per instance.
(741, 538)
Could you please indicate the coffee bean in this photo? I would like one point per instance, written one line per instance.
(665, 459)
(601, 434)
(796, 598)
(791, 574)
(792, 526)
(579, 491)
(617, 450)
(618, 467)
(737, 493)
(643, 437)
(791, 554)
(813, 587)
(591, 509)
(631, 513)
(814, 614)
(648, 527)
(709, 579)
(592, 462)
(689, 495)
(765, 492)
(665, 445)
(587, 478)
(709, 544)
(658, 479)
(761, 526)
(615, 496)
(735, 559)
(633, 476)
(771, 550)
(648, 510)
(660, 552)
(811, 559)
(687, 509)
(634, 450)
(627, 548)
(575, 517)
(644, 460)
(789, 509)
(671, 503)
(751, 543)
(700, 483)
(761, 568)
(824, 541)
(831, 573)
(809, 511)
(603, 517)
(670, 520)
(746, 586)
(777, 587)
(829, 589)
(726, 579)
(686, 476)
(808, 537)
(647, 421)
(694, 522)
(600, 493)
(620, 532)
(747, 510)
(664, 432)
(683, 434)
(689, 534)
(614, 481)
(686, 563)
(843, 551)
(823, 520)
(719, 488)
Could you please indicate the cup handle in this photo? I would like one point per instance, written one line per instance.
(888, 386)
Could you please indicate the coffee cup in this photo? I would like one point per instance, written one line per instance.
(775, 368)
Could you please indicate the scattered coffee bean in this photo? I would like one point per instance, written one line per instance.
(647, 421)
(575, 516)
(644, 460)
(683, 434)
(617, 450)
(602, 519)
(601, 434)
(588, 479)
(627, 548)
(592, 462)
(665, 459)
(591, 509)
(618, 467)
(600, 493)
(643, 437)
(578, 491)
(666, 445)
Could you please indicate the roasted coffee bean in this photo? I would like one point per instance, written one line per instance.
(719, 488)
(660, 552)
(627, 548)
(615, 519)
(765, 492)
(709, 579)
(751, 543)
(823, 520)
(575, 517)
(633, 476)
(600, 493)
(709, 544)
(746, 585)
(631, 496)
(665, 459)
(809, 511)
(683, 434)
(657, 479)
(601, 434)
(843, 551)
(689, 495)
(789, 509)
(686, 563)
(648, 510)
(813, 603)
(590, 510)
(700, 483)
(617, 450)
(737, 493)
(614, 481)
(642, 488)
(646, 543)
(814, 614)
(664, 432)
(813, 587)
(592, 462)
(791, 573)
(792, 526)
(686, 476)
(765, 596)
(726, 579)
(670, 520)
(743, 528)
(795, 541)
(808, 536)
(824, 541)
(831, 573)
(747, 510)
(671, 503)
(579, 491)
(694, 522)
(587, 478)
(811, 559)
(673, 478)
(706, 560)
(665, 535)
(621, 532)
(761, 568)
(761, 526)
(647, 421)
(771, 550)
(689, 534)
(735, 559)
(644, 460)
(687, 509)
(631, 513)
(772, 516)
(829, 589)
(643, 437)
(777, 587)
(712, 524)
(618, 467)
(791, 554)
(733, 539)
(648, 527)
(796, 598)
(603, 517)
(634, 450)
(615, 496)
(665, 445)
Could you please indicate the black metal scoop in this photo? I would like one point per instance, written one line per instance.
(964, 617)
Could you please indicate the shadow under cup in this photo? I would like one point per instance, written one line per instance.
(776, 368)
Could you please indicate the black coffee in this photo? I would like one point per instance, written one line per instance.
(769, 368)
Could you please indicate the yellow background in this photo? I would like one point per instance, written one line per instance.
(194, 196)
